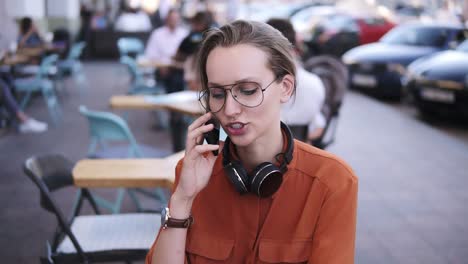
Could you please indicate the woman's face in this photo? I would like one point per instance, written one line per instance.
(246, 63)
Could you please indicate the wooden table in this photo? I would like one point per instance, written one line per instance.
(132, 173)
(15, 60)
(179, 103)
(148, 63)
(184, 102)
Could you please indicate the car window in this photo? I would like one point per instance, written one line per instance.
(374, 21)
(417, 36)
(463, 46)
(341, 23)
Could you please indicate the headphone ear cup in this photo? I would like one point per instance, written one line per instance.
(266, 179)
(238, 176)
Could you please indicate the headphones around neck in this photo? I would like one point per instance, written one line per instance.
(266, 178)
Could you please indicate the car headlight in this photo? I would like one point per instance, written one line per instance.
(396, 67)
(347, 60)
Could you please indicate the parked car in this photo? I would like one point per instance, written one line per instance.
(380, 66)
(341, 32)
(439, 82)
(305, 20)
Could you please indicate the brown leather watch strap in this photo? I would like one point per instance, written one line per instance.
(178, 223)
(168, 221)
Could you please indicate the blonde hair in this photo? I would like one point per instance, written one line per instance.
(257, 34)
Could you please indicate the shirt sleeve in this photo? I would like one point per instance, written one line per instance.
(176, 181)
(334, 237)
(151, 50)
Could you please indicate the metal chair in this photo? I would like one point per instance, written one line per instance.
(41, 83)
(334, 76)
(87, 238)
(107, 128)
(141, 82)
(72, 65)
(130, 46)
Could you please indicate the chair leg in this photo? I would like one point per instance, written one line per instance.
(114, 207)
(135, 200)
(25, 100)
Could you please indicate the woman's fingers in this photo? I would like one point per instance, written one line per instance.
(194, 134)
(205, 148)
(199, 121)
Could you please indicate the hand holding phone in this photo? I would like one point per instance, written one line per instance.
(212, 137)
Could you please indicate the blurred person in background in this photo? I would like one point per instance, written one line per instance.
(265, 197)
(28, 34)
(305, 108)
(159, 17)
(164, 41)
(187, 50)
(100, 19)
(133, 20)
(181, 75)
(27, 124)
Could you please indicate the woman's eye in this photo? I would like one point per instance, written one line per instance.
(248, 92)
(217, 93)
(248, 89)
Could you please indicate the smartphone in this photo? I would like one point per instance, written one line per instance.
(212, 137)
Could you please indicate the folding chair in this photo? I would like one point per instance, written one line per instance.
(130, 47)
(89, 238)
(141, 82)
(107, 128)
(334, 76)
(72, 65)
(41, 83)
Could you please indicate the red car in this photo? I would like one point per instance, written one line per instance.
(371, 29)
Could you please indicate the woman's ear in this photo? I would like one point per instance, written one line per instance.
(287, 87)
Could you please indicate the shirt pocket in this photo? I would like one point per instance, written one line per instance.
(277, 251)
(204, 248)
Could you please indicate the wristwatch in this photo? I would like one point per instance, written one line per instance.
(168, 221)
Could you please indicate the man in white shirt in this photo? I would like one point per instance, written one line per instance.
(305, 107)
(164, 41)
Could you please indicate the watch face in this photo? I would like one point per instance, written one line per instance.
(164, 214)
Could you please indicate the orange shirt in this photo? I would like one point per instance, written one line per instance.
(310, 219)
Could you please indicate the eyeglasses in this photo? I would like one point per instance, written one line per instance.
(248, 94)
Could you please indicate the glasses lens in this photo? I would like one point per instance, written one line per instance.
(248, 94)
(203, 99)
(216, 98)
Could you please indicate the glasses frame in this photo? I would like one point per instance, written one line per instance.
(207, 91)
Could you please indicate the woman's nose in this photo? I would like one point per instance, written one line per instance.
(231, 106)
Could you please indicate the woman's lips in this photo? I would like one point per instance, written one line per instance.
(236, 128)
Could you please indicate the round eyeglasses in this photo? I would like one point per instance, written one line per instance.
(248, 94)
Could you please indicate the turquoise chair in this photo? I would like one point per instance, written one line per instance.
(72, 65)
(41, 83)
(106, 128)
(130, 46)
(141, 83)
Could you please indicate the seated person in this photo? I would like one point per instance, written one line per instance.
(163, 42)
(199, 23)
(27, 124)
(29, 36)
(305, 108)
(133, 20)
(99, 20)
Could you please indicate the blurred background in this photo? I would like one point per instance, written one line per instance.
(401, 120)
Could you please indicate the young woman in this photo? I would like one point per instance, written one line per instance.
(265, 198)
(29, 36)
